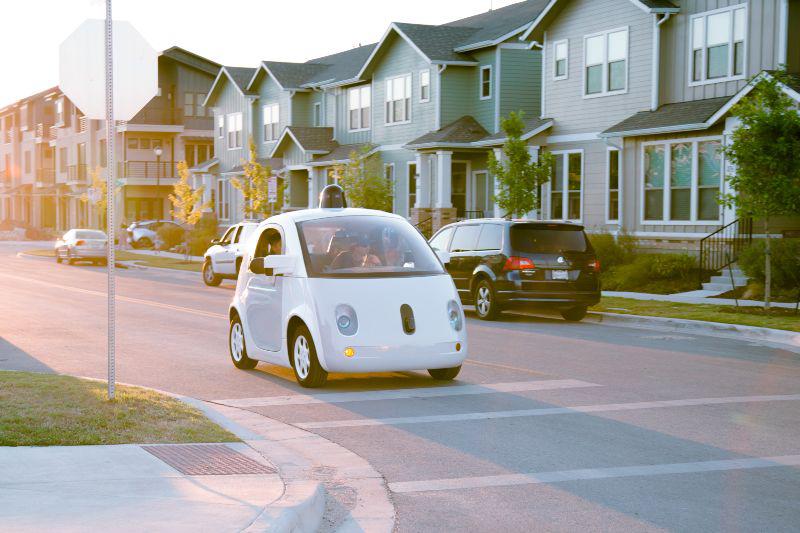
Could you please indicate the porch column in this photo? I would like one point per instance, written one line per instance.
(208, 187)
(423, 182)
(444, 180)
(534, 151)
(314, 186)
(500, 156)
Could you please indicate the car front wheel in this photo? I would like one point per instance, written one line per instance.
(237, 347)
(485, 301)
(444, 374)
(574, 314)
(210, 278)
(58, 256)
(307, 370)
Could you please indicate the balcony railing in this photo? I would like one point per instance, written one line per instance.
(53, 132)
(77, 172)
(10, 135)
(147, 169)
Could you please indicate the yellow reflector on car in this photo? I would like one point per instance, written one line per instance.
(458, 346)
(349, 352)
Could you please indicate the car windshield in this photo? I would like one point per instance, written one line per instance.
(88, 234)
(547, 239)
(365, 246)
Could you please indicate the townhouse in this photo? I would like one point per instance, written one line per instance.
(49, 151)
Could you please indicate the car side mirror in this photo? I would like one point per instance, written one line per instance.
(443, 255)
(281, 264)
(257, 267)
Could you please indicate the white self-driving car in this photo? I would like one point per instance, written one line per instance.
(345, 290)
(224, 257)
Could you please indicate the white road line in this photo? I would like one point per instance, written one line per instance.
(119, 298)
(602, 408)
(396, 394)
(594, 473)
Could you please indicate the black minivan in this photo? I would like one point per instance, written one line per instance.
(500, 264)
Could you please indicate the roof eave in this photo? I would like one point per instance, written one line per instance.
(657, 131)
(489, 42)
(392, 27)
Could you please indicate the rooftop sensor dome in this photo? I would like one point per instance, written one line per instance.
(332, 197)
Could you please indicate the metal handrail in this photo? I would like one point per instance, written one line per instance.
(722, 247)
(477, 213)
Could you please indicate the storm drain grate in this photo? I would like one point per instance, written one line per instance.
(207, 460)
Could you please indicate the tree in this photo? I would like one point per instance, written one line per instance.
(98, 198)
(364, 182)
(766, 152)
(254, 187)
(187, 203)
(518, 176)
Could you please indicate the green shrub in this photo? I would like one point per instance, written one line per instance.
(202, 234)
(170, 236)
(785, 262)
(613, 250)
(653, 273)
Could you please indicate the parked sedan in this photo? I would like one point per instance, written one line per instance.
(223, 259)
(500, 264)
(144, 234)
(82, 245)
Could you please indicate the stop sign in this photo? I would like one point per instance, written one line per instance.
(82, 70)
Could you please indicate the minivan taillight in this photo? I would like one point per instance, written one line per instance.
(518, 263)
(594, 264)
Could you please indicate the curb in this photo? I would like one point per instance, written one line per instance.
(778, 338)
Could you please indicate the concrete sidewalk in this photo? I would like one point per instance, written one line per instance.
(128, 488)
(694, 297)
(159, 253)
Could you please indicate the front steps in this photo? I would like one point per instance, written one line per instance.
(722, 283)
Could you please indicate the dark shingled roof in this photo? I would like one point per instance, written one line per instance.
(314, 139)
(464, 130)
(241, 76)
(437, 42)
(293, 75)
(496, 23)
(191, 59)
(659, 4)
(670, 115)
(342, 66)
(341, 153)
(531, 124)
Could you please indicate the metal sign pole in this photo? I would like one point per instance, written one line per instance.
(110, 183)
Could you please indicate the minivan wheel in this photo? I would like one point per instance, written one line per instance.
(574, 314)
(210, 278)
(237, 347)
(144, 243)
(444, 374)
(485, 301)
(307, 370)
(58, 256)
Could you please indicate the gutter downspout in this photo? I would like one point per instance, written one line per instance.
(438, 117)
(656, 59)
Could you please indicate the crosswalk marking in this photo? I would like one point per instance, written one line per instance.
(544, 411)
(508, 480)
(396, 394)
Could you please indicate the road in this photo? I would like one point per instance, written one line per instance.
(550, 426)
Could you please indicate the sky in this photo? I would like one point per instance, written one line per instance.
(231, 32)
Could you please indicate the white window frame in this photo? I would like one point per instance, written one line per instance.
(59, 112)
(556, 77)
(605, 63)
(221, 126)
(223, 206)
(190, 96)
(317, 117)
(426, 72)
(386, 167)
(274, 111)
(690, 31)
(362, 104)
(666, 210)
(491, 82)
(236, 118)
(565, 186)
(388, 107)
(610, 220)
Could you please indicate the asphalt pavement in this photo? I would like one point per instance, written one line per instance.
(550, 426)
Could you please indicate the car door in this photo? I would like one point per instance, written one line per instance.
(463, 258)
(264, 297)
(224, 259)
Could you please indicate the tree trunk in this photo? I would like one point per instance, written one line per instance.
(767, 267)
(186, 244)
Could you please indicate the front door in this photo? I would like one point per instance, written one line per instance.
(482, 194)
(458, 193)
(225, 258)
(264, 300)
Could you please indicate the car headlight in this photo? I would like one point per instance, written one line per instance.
(346, 320)
(454, 315)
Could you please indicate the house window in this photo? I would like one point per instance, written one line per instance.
(398, 99)
(60, 111)
(234, 130)
(486, 82)
(144, 143)
(223, 199)
(188, 104)
(718, 44)
(200, 108)
(412, 185)
(694, 169)
(565, 186)
(220, 126)
(317, 115)
(425, 85)
(606, 60)
(271, 120)
(388, 174)
(613, 196)
(358, 106)
(133, 143)
(560, 55)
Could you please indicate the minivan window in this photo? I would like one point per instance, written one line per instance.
(548, 239)
(439, 241)
(491, 237)
(89, 234)
(465, 239)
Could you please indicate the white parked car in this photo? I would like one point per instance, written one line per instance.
(223, 259)
(82, 245)
(144, 234)
(345, 290)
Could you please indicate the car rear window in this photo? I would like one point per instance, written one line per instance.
(491, 237)
(548, 239)
(465, 238)
(89, 234)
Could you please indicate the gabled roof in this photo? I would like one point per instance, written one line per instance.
(191, 59)
(533, 127)
(649, 6)
(340, 154)
(691, 116)
(205, 166)
(466, 132)
(239, 76)
(498, 25)
(288, 76)
(310, 140)
(342, 66)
